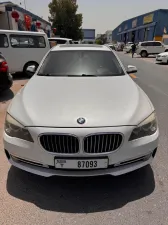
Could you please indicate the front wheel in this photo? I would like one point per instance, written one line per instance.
(144, 54)
(25, 70)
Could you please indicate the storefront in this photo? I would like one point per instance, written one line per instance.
(13, 17)
(147, 27)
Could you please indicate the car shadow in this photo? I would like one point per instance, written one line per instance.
(161, 64)
(80, 195)
(6, 95)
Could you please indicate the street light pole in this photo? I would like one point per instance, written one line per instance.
(25, 3)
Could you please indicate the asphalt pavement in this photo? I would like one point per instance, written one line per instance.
(138, 198)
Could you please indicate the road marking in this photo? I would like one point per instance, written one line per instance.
(133, 76)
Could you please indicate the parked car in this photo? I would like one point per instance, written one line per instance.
(6, 80)
(120, 46)
(162, 58)
(128, 47)
(92, 120)
(111, 46)
(151, 48)
(14, 44)
(76, 42)
(59, 41)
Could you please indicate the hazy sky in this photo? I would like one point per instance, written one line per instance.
(101, 14)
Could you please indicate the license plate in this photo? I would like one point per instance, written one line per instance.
(81, 164)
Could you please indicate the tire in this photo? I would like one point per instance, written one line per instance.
(28, 74)
(144, 54)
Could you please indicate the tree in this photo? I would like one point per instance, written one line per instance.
(98, 42)
(65, 19)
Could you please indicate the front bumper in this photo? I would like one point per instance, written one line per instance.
(161, 60)
(32, 158)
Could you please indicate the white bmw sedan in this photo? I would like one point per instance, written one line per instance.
(162, 58)
(81, 115)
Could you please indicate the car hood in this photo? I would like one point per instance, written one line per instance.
(60, 101)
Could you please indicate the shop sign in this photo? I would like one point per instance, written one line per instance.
(148, 18)
(134, 23)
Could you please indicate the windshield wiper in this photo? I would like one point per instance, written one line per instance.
(88, 75)
(54, 75)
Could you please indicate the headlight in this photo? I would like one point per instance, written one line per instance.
(17, 130)
(146, 128)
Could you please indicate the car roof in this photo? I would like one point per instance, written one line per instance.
(72, 47)
(22, 32)
(54, 38)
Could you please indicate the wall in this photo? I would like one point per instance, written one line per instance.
(4, 21)
(162, 24)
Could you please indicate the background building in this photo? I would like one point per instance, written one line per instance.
(89, 35)
(146, 27)
(108, 36)
(14, 17)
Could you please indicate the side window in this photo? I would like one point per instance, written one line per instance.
(25, 41)
(42, 43)
(18, 41)
(149, 44)
(61, 42)
(143, 44)
(157, 44)
(3, 41)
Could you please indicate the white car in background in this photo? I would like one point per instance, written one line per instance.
(81, 115)
(162, 58)
(146, 48)
(23, 49)
(128, 47)
(59, 41)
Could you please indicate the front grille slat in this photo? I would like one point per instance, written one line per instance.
(62, 144)
(106, 142)
(55, 143)
(114, 141)
(95, 143)
(47, 143)
(71, 145)
(102, 143)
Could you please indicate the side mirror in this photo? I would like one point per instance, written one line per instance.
(131, 69)
(31, 69)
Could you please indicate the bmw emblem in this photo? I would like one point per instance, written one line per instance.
(81, 120)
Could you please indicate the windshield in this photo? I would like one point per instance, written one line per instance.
(81, 63)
